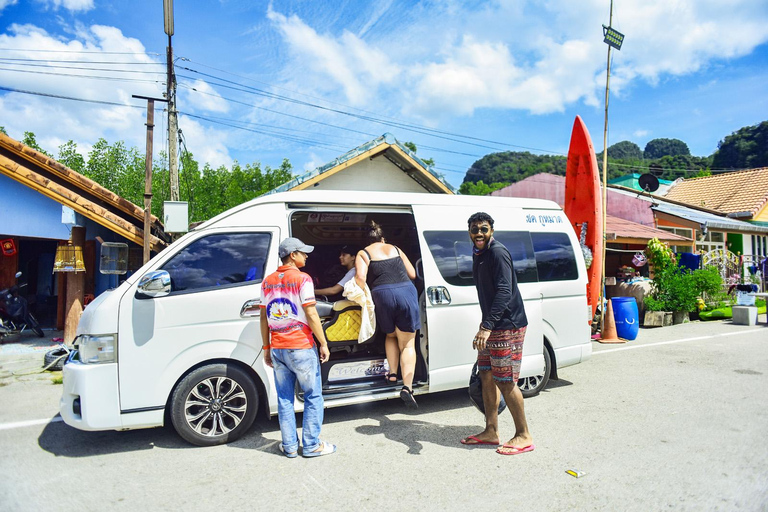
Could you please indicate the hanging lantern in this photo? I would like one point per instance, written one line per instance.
(9, 247)
(69, 258)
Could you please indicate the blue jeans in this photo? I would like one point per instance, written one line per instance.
(300, 365)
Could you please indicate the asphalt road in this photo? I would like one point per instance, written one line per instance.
(675, 420)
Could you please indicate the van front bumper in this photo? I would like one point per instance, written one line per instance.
(90, 400)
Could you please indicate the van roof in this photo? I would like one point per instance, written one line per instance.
(352, 198)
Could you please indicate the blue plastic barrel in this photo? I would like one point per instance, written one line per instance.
(626, 317)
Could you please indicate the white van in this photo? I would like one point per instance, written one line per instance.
(181, 336)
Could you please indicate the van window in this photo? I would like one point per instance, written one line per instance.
(218, 261)
(555, 260)
(452, 252)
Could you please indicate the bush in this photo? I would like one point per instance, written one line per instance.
(675, 288)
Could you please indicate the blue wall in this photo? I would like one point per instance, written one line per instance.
(24, 212)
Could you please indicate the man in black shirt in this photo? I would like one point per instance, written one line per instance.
(499, 339)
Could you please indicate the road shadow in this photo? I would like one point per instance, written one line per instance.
(62, 440)
(554, 384)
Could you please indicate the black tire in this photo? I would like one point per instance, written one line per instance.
(33, 324)
(55, 359)
(532, 386)
(199, 414)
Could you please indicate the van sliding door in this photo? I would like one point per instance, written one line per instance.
(450, 297)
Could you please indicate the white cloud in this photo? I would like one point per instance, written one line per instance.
(201, 96)
(6, 3)
(71, 5)
(348, 62)
(539, 57)
(56, 121)
(207, 145)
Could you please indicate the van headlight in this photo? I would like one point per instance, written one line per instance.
(97, 349)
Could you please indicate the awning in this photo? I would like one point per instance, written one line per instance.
(707, 221)
(621, 231)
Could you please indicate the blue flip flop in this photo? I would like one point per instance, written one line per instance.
(328, 449)
(290, 455)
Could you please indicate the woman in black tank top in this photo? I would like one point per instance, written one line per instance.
(388, 273)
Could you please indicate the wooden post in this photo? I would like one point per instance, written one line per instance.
(75, 291)
(148, 177)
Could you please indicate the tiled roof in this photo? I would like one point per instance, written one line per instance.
(617, 228)
(730, 192)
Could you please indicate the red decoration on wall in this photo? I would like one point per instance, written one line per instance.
(9, 247)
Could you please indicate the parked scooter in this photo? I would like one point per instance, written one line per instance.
(14, 312)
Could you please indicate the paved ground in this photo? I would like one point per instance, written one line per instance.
(674, 420)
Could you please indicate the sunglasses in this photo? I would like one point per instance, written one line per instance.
(482, 229)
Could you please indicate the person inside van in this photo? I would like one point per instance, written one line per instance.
(388, 273)
(288, 321)
(347, 260)
(500, 336)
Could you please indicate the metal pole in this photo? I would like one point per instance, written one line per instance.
(605, 175)
(148, 177)
(173, 128)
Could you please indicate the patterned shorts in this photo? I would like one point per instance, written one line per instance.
(503, 354)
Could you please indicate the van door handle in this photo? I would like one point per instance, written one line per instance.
(438, 295)
(250, 308)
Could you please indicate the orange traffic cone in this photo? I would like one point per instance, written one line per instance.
(608, 333)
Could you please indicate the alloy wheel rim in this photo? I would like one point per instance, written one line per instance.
(531, 382)
(215, 406)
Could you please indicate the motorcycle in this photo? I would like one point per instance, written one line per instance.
(14, 312)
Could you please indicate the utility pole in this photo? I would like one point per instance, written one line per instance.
(613, 39)
(148, 172)
(173, 121)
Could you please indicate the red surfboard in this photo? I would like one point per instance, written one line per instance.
(584, 205)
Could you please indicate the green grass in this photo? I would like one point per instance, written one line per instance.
(57, 378)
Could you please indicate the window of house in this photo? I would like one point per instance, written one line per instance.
(218, 261)
(686, 232)
(713, 240)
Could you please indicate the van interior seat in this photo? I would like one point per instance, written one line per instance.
(343, 327)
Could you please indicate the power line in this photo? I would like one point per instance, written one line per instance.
(110, 62)
(90, 77)
(77, 51)
(61, 97)
(84, 68)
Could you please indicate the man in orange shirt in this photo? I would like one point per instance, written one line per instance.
(288, 320)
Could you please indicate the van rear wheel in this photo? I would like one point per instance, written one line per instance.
(214, 404)
(531, 386)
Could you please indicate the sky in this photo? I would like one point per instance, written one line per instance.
(308, 80)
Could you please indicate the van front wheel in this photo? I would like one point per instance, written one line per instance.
(214, 404)
(531, 386)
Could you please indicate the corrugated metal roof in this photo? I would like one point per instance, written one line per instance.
(709, 220)
(387, 138)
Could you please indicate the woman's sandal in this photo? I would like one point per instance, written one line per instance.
(391, 378)
(406, 395)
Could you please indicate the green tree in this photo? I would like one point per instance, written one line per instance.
(479, 189)
(746, 148)
(30, 140)
(410, 145)
(658, 148)
(69, 156)
(513, 166)
(624, 150)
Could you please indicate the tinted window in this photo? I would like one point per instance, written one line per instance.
(452, 251)
(219, 260)
(554, 257)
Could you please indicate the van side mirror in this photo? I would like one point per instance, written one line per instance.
(156, 283)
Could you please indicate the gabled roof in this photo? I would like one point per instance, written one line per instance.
(737, 193)
(391, 149)
(60, 183)
(619, 230)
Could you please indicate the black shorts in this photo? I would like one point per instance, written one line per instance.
(396, 305)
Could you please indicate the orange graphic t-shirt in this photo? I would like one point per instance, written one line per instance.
(284, 295)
